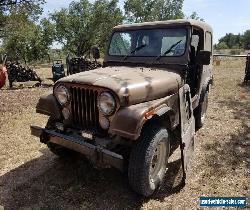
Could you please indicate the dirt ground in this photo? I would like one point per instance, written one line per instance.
(31, 177)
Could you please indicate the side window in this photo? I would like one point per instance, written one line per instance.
(195, 41)
(208, 42)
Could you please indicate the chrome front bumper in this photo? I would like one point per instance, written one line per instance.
(97, 154)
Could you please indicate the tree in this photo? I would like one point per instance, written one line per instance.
(23, 38)
(23, 9)
(246, 40)
(6, 3)
(195, 16)
(85, 24)
(106, 15)
(232, 41)
(152, 10)
(221, 46)
(29, 42)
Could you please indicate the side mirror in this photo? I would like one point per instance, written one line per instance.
(203, 57)
(95, 52)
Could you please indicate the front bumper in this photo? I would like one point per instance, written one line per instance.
(97, 154)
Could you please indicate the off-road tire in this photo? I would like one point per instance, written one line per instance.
(58, 150)
(141, 158)
(200, 112)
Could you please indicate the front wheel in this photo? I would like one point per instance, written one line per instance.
(148, 160)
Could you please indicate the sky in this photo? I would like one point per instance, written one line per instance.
(225, 16)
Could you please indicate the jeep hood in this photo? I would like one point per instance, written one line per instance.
(131, 84)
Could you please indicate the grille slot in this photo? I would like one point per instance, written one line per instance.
(85, 114)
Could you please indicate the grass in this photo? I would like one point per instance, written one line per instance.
(33, 178)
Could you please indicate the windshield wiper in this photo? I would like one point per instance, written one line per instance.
(135, 50)
(167, 51)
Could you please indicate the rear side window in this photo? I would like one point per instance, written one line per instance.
(208, 42)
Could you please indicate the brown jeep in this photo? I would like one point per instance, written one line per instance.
(151, 93)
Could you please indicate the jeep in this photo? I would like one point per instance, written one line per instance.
(57, 70)
(150, 93)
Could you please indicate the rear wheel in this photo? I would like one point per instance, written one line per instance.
(148, 160)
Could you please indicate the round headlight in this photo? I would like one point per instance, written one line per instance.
(106, 103)
(62, 94)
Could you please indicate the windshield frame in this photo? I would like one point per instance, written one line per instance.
(145, 29)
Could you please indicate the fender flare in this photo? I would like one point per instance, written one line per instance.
(128, 122)
(49, 106)
(166, 112)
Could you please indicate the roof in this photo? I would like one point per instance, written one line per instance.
(156, 24)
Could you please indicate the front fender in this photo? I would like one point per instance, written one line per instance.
(48, 105)
(128, 121)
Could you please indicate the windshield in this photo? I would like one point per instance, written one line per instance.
(148, 43)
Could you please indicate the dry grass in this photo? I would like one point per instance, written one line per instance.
(33, 178)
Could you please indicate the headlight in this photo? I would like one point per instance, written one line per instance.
(62, 94)
(106, 103)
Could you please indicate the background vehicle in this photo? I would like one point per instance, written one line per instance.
(151, 92)
(3, 72)
(57, 70)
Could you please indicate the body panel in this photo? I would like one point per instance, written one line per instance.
(167, 23)
(128, 121)
(97, 154)
(48, 105)
(132, 85)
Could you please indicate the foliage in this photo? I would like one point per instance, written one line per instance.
(246, 40)
(22, 37)
(152, 10)
(195, 16)
(221, 46)
(28, 41)
(85, 24)
(32, 9)
(82, 25)
(231, 40)
(6, 3)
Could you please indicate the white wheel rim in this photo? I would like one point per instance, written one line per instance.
(158, 162)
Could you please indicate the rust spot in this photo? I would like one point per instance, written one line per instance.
(149, 113)
(126, 98)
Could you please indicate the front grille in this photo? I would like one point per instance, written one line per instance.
(85, 114)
